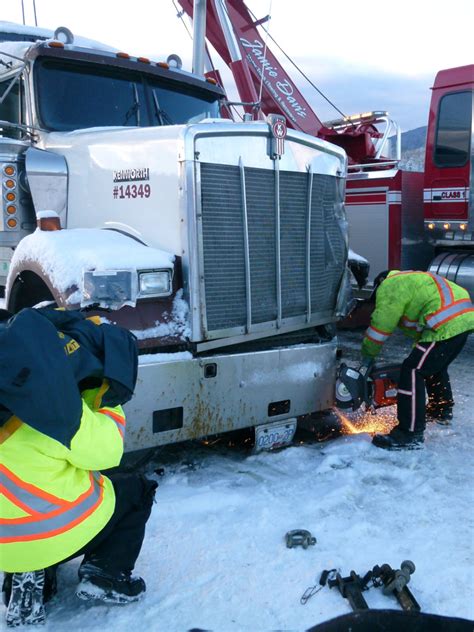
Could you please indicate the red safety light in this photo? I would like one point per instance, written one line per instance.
(55, 44)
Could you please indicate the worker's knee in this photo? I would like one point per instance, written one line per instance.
(148, 490)
(406, 372)
(134, 490)
(409, 363)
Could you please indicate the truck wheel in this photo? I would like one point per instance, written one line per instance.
(28, 290)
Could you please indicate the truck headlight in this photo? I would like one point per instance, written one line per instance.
(154, 283)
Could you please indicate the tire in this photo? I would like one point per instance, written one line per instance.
(27, 291)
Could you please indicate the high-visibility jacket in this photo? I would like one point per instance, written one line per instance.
(53, 499)
(423, 305)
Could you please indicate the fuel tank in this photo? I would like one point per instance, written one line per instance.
(457, 267)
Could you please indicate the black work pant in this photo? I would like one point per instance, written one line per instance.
(426, 366)
(117, 546)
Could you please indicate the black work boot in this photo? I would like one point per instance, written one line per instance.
(442, 416)
(399, 439)
(111, 587)
(25, 603)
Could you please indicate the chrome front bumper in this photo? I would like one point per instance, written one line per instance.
(187, 398)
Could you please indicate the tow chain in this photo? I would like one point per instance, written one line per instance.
(312, 590)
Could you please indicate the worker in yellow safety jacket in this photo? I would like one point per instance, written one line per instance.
(56, 505)
(438, 315)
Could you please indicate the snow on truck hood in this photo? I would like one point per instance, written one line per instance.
(93, 248)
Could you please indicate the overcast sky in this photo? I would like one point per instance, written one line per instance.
(363, 55)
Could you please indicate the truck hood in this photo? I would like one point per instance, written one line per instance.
(135, 179)
(124, 178)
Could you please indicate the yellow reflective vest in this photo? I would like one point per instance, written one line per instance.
(425, 306)
(53, 499)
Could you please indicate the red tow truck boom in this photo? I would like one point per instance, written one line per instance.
(398, 219)
(266, 88)
(233, 33)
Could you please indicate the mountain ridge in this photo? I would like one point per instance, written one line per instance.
(413, 148)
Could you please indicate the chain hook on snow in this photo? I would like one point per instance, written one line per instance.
(312, 590)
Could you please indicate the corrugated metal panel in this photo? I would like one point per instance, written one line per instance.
(327, 245)
(223, 244)
(223, 239)
(293, 212)
(260, 188)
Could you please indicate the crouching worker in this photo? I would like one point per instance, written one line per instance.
(55, 503)
(439, 316)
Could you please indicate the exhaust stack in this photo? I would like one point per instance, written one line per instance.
(199, 36)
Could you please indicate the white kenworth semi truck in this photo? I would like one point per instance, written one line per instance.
(222, 245)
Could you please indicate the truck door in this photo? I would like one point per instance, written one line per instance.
(447, 192)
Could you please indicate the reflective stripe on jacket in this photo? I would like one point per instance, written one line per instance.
(53, 500)
(425, 306)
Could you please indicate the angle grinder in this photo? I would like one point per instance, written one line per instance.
(376, 387)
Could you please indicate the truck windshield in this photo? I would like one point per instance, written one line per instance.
(74, 96)
(171, 107)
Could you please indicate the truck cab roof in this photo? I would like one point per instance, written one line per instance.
(30, 42)
(11, 32)
(115, 59)
(462, 75)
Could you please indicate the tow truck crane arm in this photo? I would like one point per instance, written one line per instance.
(232, 31)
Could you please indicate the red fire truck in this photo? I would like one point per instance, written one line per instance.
(397, 219)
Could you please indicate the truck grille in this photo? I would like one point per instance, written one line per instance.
(228, 279)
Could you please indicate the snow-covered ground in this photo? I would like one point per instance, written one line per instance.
(214, 555)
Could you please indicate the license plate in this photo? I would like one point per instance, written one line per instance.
(276, 434)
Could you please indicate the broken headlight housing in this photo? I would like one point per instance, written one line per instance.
(112, 289)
